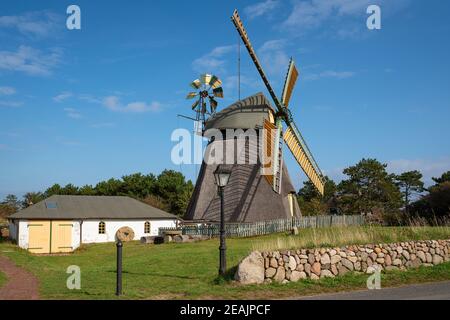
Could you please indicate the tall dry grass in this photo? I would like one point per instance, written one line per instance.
(340, 236)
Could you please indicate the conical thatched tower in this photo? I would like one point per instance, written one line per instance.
(249, 196)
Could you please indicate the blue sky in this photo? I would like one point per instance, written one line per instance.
(84, 105)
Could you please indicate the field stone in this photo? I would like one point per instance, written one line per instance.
(311, 258)
(300, 267)
(314, 276)
(415, 263)
(308, 269)
(335, 259)
(397, 262)
(292, 264)
(316, 268)
(421, 256)
(388, 260)
(273, 263)
(429, 257)
(326, 274)
(325, 259)
(288, 274)
(251, 269)
(280, 274)
(342, 270)
(437, 259)
(334, 270)
(270, 272)
(297, 275)
(346, 263)
(405, 254)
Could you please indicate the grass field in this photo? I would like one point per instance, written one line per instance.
(189, 271)
(3, 279)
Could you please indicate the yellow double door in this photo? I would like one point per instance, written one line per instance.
(50, 236)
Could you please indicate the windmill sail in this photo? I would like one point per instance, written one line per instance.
(301, 153)
(292, 136)
(289, 83)
(240, 28)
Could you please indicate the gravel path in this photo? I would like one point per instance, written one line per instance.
(21, 284)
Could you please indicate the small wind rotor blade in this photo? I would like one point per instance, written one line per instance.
(195, 104)
(213, 104)
(191, 95)
(218, 92)
(289, 83)
(215, 82)
(205, 78)
(196, 84)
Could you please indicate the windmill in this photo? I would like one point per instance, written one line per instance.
(255, 192)
(208, 88)
(292, 136)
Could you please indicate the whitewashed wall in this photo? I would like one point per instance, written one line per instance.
(91, 235)
(89, 229)
(22, 240)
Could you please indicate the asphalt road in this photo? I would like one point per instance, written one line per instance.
(428, 291)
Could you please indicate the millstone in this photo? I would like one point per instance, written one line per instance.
(125, 234)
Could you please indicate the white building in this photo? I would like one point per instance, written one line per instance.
(62, 223)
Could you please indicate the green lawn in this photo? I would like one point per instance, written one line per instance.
(3, 279)
(188, 271)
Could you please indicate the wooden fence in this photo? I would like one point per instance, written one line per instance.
(250, 229)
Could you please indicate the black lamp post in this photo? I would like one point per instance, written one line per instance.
(119, 268)
(222, 176)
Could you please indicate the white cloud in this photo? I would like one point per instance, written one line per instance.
(7, 91)
(30, 61)
(428, 167)
(12, 104)
(113, 103)
(40, 24)
(89, 98)
(62, 96)
(73, 113)
(331, 74)
(311, 14)
(103, 125)
(213, 61)
(273, 56)
(307, 14)
(260, 8)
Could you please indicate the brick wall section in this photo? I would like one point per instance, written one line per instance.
(294, 265)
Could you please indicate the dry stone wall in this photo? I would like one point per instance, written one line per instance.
(294, 265)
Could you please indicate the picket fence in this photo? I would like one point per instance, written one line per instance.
(250, 229)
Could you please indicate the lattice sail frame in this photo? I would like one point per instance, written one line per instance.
(293, 138)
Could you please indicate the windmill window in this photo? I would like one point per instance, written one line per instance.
(147, 227)
(101, 228)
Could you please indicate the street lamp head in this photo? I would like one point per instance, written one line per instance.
(222, 175)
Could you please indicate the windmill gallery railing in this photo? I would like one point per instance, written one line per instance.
(250, 229)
